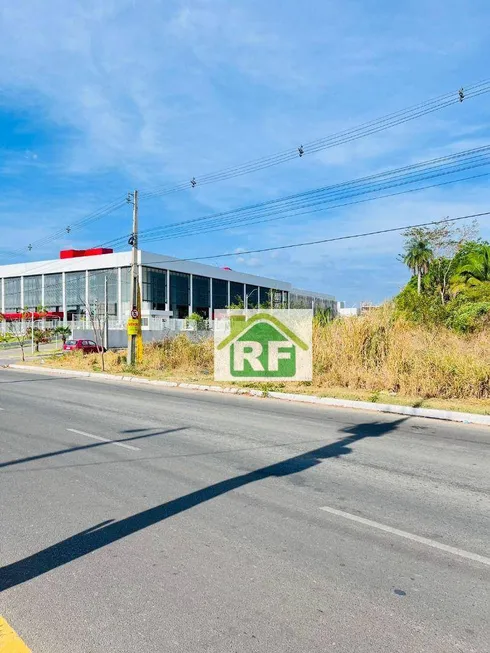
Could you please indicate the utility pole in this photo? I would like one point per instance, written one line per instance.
(133, 241)
(106, 314)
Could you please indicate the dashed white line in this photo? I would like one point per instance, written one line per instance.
(409, 536)
(97, 437)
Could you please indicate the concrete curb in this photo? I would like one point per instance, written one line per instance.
(431, 413)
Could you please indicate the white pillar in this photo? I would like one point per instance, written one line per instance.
(228, 284)
(63, 298)
(42, 300)
(190, 294)
(22, 293)
(119, 295)
(87, 299)
(2, 303)
(167, 295)
(210, 316)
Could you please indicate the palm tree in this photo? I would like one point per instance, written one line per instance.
(474, 269)
(418, 257)
(64, 332)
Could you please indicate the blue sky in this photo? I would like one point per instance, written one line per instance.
(100, 98)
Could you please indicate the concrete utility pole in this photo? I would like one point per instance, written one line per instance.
(133, 241)
(106, 314)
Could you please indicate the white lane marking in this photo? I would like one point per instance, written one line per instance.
(97, 437)
(409, 536)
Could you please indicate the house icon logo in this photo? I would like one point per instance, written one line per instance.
(264, 346)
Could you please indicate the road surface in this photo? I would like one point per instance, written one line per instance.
(141, 519)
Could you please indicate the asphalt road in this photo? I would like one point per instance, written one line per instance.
(228, 524)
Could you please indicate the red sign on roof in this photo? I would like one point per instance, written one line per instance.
(76, 253)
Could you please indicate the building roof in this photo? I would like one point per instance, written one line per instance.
(123, 259)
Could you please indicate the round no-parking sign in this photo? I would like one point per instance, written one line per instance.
(135, 314)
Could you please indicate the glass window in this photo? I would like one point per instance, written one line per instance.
(220, 294)
(200, 295)
(268, 296)
(125, 284)
(252, 296)
(96, 289)
(179, 294)
(300, 301)
(33, 292)
(154, 288)
(236, 293)
(75, 293)
(12, 295)
(53, 292)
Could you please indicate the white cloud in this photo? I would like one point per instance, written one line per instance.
(150, 93)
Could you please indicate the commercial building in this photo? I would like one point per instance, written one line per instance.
(69, 286)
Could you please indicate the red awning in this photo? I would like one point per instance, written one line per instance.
(28, 316)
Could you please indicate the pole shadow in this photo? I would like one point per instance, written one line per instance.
(105, 533)
(83, 447)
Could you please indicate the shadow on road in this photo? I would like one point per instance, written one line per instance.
(107, 532)
(60, 452)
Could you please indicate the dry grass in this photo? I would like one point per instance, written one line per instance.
(169, 357)
(378, 352)
(374, 357)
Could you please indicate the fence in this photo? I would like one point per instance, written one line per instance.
(149, 324)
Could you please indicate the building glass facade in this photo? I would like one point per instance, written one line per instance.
(179, 294)
(236, 293)
(220, 294)
(74, 291)
(252, 298)
(96, 290)
(33, 292)
(12, 295)
(76, 301)
(154, 288)
(53, 292)
(200, 295)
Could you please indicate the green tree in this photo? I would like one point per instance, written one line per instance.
(39, 336)
(418, 257)
(474, 268)
(64, 332)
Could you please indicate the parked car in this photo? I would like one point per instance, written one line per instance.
(87, 346)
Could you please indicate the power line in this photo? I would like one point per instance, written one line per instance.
(325, 240)
(73, 226)
(346, 136)
(354, 202)
(297, 204)
(340, 138)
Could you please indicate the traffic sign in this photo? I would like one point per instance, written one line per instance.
(135, 314)
(133, 327)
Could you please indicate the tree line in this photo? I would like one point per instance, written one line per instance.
(450, 281)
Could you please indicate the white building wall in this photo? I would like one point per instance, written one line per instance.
(123, 260)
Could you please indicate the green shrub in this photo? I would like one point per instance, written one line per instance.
(469, 317)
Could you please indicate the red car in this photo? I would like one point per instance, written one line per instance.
(87, 346)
